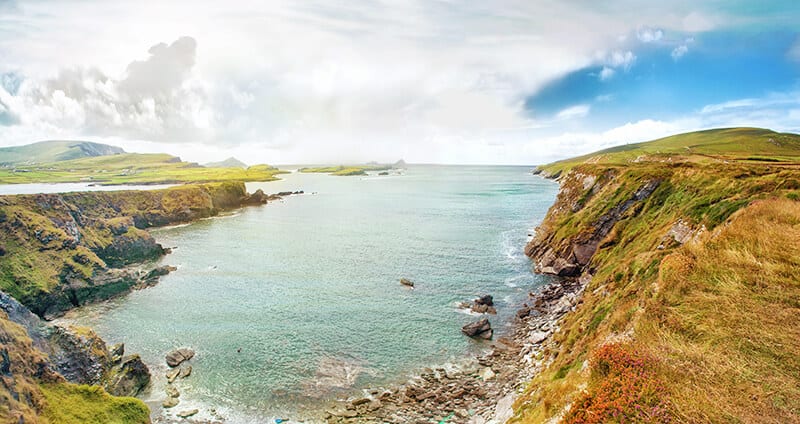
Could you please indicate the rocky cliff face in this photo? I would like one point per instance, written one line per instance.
(559, 248)
(59, 251)
(35, 356)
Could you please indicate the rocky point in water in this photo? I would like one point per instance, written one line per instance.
(481, 329)
(178, 356)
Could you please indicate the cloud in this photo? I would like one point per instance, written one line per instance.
(649, 35)
(155, 98)
(621, 59)
(606, 73)
(573, 112)
(680, 51)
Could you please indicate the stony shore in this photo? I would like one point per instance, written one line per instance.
(483, 389)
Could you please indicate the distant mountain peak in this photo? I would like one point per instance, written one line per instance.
(231, 162)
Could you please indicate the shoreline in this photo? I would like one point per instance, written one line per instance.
(485, 388)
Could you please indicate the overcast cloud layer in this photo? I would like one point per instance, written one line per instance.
(429, 81)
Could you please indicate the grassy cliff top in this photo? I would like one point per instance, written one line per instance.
(746, 145)
(691, 314)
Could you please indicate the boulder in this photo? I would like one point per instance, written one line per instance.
(186, 370)
(406, 282)
(172, 391)
(187, 414)
(170, 402)
(128, 378)
(172, 374)
(178, 356)
(479, 329)
(485, 300)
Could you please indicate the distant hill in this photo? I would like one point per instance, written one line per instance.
(732, 144)
(55, 151)
(231, 162)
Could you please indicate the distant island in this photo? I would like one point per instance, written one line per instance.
(353, 170)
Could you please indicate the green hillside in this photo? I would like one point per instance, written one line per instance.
(54, 151)
(690, 313)
(754, 145)
(231, 162)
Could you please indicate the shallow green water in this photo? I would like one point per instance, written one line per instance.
(308, 287)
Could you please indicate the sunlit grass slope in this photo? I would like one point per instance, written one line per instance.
(701, 332)
(727, 144)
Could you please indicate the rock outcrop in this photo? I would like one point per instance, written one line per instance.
(33, 353)
(480, 329)
(179, 356)
(569, 255)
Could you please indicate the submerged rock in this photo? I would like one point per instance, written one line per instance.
(187, 414)
(186, 370)
(173, 374)
(178, 356)
(172, 391)
(170, 402)
(480, 329)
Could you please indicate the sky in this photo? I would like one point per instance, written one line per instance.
(434, 81)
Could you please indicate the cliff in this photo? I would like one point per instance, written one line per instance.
(690, 313)
(35, 358)
(59, 251)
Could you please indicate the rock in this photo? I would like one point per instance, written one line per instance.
(406, 282)
(170, 402)
(487, 374)
(257, 198)
(152, 277)
(173, 374)
(479, 329)
(185, 371)
(374, 405)
(178, 356)
(187, 414)
(360, 401)
(128, 378)
(172, 391)
(117, 351)
(485, 300)
(538, 337)
(479, 308)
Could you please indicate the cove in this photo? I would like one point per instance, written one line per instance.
(295, 303)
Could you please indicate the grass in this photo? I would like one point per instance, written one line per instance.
(746, 145)
(132, 168)
(350, 170)
(69, 403)
(713, 323)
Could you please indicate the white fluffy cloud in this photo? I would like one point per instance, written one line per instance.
(649, 35)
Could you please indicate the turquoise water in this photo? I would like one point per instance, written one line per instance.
(308, 287)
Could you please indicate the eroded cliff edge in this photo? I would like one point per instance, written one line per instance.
(59, 251)
(692, 295)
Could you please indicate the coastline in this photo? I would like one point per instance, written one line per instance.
(483, 389)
